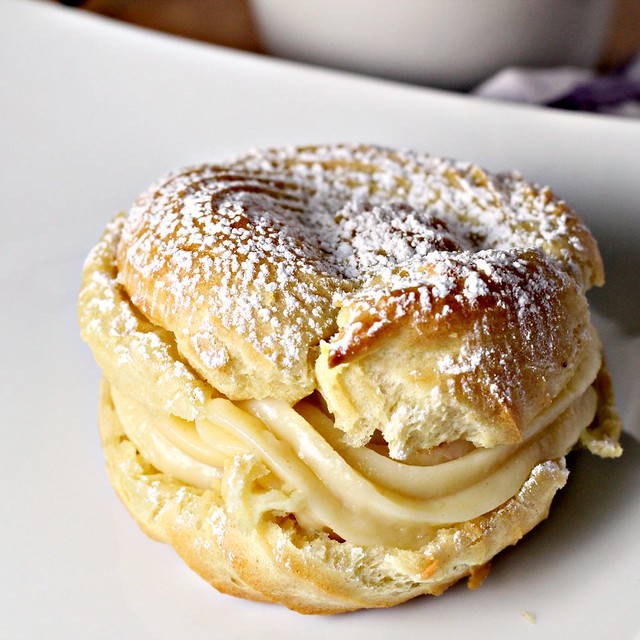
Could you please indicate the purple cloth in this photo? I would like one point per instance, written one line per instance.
(569, 88)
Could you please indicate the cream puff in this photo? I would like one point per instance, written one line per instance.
(340, 377)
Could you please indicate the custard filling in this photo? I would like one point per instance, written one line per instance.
(270, 459)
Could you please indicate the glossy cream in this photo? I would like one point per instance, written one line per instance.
(270, 458)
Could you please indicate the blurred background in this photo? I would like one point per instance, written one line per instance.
(231, 23)
(574, 54)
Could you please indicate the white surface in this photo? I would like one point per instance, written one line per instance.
(453, 44)
(91, 113)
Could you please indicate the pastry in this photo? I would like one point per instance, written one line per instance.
(340, 377)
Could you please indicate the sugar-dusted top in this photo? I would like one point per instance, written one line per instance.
(247, 262)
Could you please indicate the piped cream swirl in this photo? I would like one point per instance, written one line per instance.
(270, 459)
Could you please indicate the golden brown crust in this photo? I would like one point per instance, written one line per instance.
(247, 264)
(423, 301)
(208, 276)
(445, 353)
(602, 437)
(276, 562)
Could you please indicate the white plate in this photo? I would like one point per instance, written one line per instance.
(91, 113)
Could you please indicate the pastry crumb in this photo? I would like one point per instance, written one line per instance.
(529, 617)
(478, 575)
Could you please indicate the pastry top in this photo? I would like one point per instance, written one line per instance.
(386, 280)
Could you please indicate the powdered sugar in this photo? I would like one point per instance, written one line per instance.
(121, 338)
(270, 242)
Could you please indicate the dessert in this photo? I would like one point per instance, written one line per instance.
(340, 377)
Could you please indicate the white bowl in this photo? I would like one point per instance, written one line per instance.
(446, 43)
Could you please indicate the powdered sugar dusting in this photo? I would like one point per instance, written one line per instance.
(269, 242)
(122, 339)
(515, 291)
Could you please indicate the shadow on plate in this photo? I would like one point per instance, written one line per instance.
(619, 299)
(597, 494)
